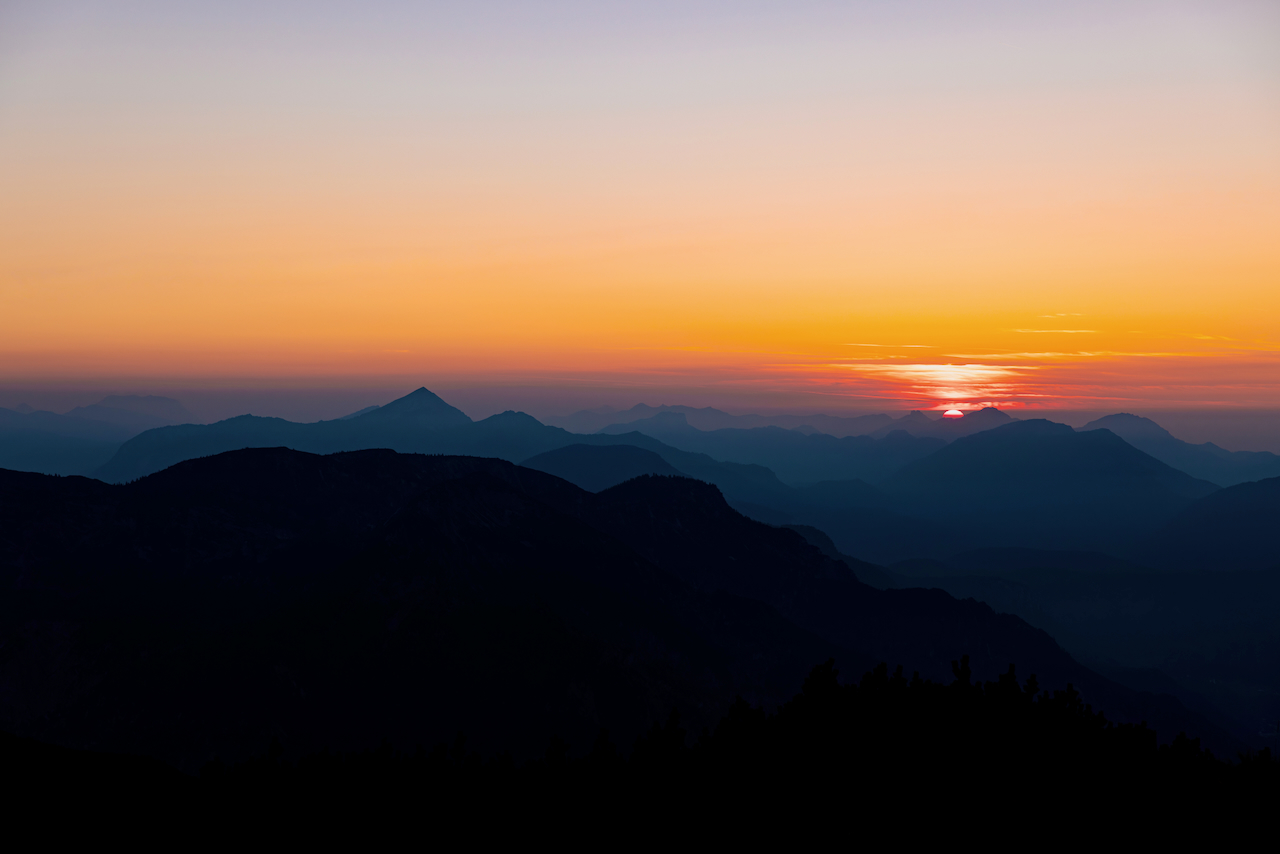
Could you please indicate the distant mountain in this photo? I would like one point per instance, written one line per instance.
(337, 601)
(796, 457)
(708, 418)
(873, 525)
(358, 413)
(57, 444)
(1040, 484)
(1206, 461)
(598, 467)
(740, 482)
(135, 412)
(921, 426)
(82, 440)
(133, 422)
(666, 422)
(1209, 638)
(417, 423)
(1237, 528)
(421, 408)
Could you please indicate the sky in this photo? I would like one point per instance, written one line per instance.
(824, 205)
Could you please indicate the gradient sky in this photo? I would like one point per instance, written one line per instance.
(928, 204)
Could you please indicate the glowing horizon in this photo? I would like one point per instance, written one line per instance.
(944, 205)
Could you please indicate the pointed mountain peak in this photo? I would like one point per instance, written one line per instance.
(420, 406)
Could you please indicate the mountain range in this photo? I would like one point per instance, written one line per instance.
(1027, 483)
(1206, 461)
(795, 457)
(336, 601)
(709, 418)
(84, 439)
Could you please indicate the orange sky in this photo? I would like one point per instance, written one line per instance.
(1056, 213)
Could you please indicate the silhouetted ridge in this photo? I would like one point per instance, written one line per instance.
(920, 425)
(332, 601)
(1207, 460)
(794, 456)
(1040, 484)
(1233, 529)
(421, 406)
(598, 467)
(1128, 427)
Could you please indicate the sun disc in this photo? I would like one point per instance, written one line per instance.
(953, 413)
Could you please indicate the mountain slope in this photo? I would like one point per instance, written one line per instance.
(1040, 484)
(419, 422)
(1237, 528)
(598, 467)
(947, 429)
(708, 418)
(57, 444)
(335, 601)
(1207, 461)
(794, 456)
(422, 408)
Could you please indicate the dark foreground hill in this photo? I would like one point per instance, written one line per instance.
(1037, 754)
(334, 601)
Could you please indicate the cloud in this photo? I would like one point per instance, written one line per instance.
(1064, 331)
(1015, 355)
(950, 382)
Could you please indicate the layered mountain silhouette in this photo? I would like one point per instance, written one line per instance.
(1209, 638)
(85, 438)
(1041, 484)
(418, 423)
(598, 467)
(1206, 461)
(709, 418)
(135, 412)
(421, 408)
(1030, 484)
(57, 444)
(336, 601)
(920, 425)
(1232, 529)
(795, 457)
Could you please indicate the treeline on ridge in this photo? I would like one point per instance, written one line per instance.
(885, 740)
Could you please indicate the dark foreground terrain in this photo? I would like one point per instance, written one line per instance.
(858, 760)
(274, 626)
(333, 602)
